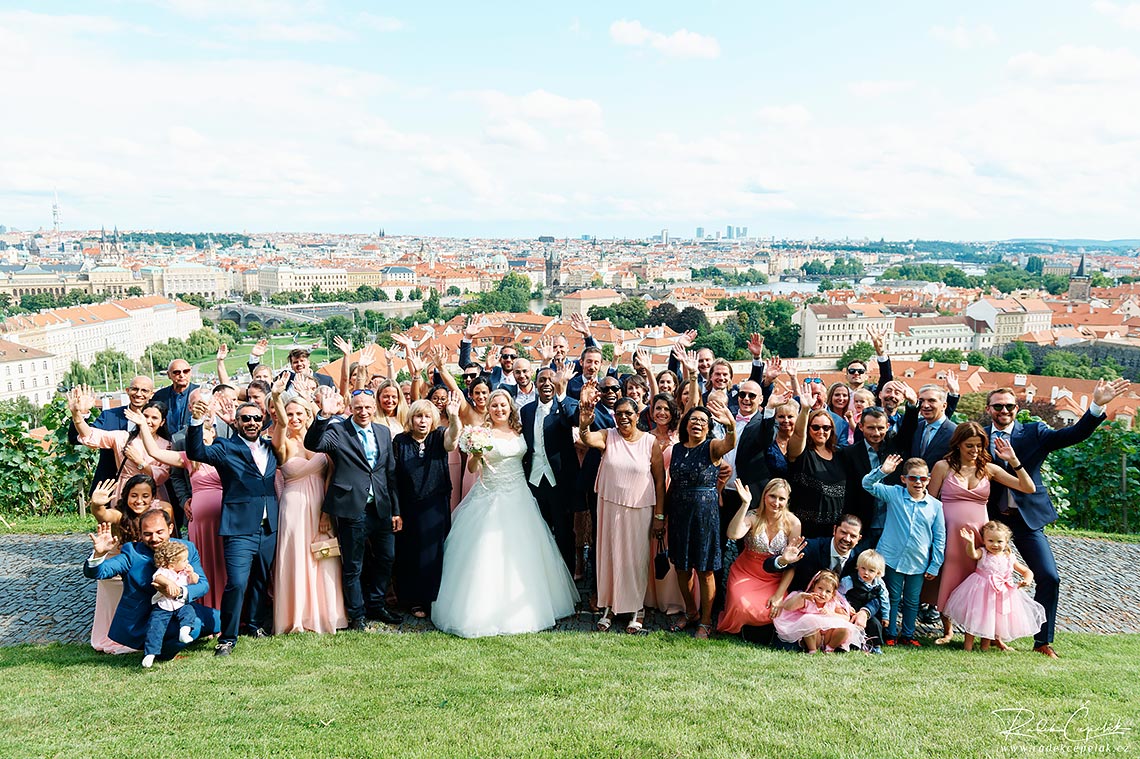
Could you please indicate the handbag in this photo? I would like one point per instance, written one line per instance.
(325, 549)
(661, 560)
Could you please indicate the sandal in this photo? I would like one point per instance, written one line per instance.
(703, 632)
(418, 612)
(605, 621)
(681, 621)
(636, 622)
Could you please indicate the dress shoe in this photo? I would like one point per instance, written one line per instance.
(257, 632)
(357, 625)
(387, 616)
(928, 614)
(224, 649)
(1047, 650)
(905, 642)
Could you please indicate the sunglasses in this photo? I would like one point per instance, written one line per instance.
(856, 371)
(509, 355)
(1003, 406)
(363, 391)
(624, 413)
(610, 388)
(470, 377)
(179, 371)
(809, 380)
(746, 395)
(250, 418)
(820, 427)
(918, 478)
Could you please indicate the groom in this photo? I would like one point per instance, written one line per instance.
(362, 497)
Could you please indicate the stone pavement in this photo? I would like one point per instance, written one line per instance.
(44, 597)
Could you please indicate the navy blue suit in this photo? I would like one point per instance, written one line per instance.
(248, 526)
(107, 468)
(174, 422)
(816, 556)
(135, 564)
(555, 499)
(1032, 443)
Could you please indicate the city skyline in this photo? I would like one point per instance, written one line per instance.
(988, 123)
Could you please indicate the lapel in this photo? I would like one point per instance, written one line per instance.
(354, 443)
(376, 437)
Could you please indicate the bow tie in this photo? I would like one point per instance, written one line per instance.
(742, 418)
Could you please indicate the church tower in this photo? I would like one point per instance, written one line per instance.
(1080, 284)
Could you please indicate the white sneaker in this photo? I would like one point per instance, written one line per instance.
(148, 661)
(184, 634)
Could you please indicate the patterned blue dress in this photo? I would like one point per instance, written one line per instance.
(694, 510)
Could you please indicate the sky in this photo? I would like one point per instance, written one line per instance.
(970, 120)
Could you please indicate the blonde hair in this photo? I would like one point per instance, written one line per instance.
(785, 517)
(872, 560)
(1001, 529)
(513, 421)
(425, 407)
(167, 554)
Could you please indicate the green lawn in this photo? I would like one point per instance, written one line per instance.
(565, 694)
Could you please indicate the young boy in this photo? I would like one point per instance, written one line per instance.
(867, 594)
(913, 542)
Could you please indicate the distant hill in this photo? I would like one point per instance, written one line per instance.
(1079, 243)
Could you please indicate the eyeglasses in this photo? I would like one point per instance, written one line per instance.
(179, 371)
(746, 395)
(918, 478)
(820, 427)
(1003, 406)
(627, 412)
(509, 355)
(138, 390)
(362, 391)
(856, 371)
(250, 418)
(610, 388)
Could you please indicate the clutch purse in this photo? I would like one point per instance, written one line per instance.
(661, 560)
(325, 549)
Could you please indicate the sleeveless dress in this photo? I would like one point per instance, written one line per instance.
(693, 509)
(961, 508)
(502, 571)
(206, 508)
(792, 626)
(749, 587)
(819, 488)
(664, 594)
(626, 495)
(989, 604)
(307, 594)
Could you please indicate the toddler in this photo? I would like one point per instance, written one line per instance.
(819, 616)
(172, 560)
(867, 593)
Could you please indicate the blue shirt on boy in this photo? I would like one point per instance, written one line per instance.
(914, 534)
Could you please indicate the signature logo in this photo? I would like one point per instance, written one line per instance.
(1078, 727)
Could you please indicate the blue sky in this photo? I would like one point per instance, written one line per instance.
(982, 121)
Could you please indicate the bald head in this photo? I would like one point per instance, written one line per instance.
(139, 391)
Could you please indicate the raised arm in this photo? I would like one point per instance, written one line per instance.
(586, 405)
(255, 353)
(277, 398)
(1005, 452)
(718, 448)
(345, 347)
(798, 442)
(967, 537)
(741, 522)
(220, 364)
(416, 370)
(80, 401)
(150, 444)
(100, 500)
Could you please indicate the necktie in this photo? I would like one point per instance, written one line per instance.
(369, 449)
(927, 434)
(837, 564)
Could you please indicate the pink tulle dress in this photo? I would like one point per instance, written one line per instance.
(988, 603)
(792, 626)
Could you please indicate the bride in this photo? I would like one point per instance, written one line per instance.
(502, 572)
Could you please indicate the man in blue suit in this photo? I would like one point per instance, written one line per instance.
(809, 556)
(1028, 513)
(551, 462)
(246, 465)
(135, 564)
(176, 395)
(139, 393)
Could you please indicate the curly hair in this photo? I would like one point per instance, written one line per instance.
(962, 433)
(513, 421)
(167, 554)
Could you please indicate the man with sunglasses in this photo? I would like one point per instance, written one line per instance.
(176, 395)
(247, 467)
(857, 369)
(139, 393)
(500, 375)
(1027, 514)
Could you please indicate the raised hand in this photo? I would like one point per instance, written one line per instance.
(415, 361)
(562, 377)
(792, 370)
(744, 492)
(772, 368)
(910, 394)
(223, 351)
(342, 345)
(686, 338)
(330, 404)
(492, 357)
(259, 348)
(1004, 451)
(756, 344)
(438, 356)
(402, 339)
(225, 408)
(454, 403)
(721, 413)
(475, 325)
(200, 410)
(102, 493)
(134, 416)
(952, 384)
(967, 535)
(890, 463)
(580, 324)
(81, 400)
(103, 541)
(367, 356)
(280, 383)
(1108, 390)
(690, 363)
(304, 385)
(794, 551)
(545, 348)
(643, 359)
(877, 341)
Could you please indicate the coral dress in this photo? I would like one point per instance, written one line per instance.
(626, 495)
(749, 586)
(307, 593)
(794, 625)
(988, 603)
(206, 519)
(962, 508)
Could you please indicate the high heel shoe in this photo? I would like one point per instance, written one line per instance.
(605, 621)
(636, 623)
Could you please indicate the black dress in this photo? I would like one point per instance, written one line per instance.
(694, 511)
(423, 481)
(819, 490)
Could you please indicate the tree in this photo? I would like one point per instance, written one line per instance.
(689, 318)
(814, 268)
(382, 296)
(416, 294)
(453, 290)
(335, 326)
(663, 313)
(253, 298)
(597, 281)
(631, 311)
(192, 298)
(230, 329)
(432, 309)
(134, 291)
(78, 374)
(976, 358)
(552, 309)
(721, 343)
(860, 351)
(399, 294)
(608, 352)
(943, 355)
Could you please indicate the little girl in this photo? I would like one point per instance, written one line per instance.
(819, 615)
(172, 560)
(989, 603)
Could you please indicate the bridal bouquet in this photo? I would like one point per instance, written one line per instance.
(475, 440)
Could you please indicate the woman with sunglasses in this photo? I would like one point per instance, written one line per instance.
(962, 482)
(631, 492)
(819, 482)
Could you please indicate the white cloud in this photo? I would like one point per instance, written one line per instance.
(964, 36)
(784, 115)
(1072, 64)
(873, 88)
(575, 26)
(515, 133)
(1127, 15)
(380, 23)
(680, 44)
(540, 105)
(186, 137)
(298, 32)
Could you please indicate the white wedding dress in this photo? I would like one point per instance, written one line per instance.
(502, 572)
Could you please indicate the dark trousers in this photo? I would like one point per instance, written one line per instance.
(559, 518)
(874, 632)
(367, 550)
(1038, 554)
(249, 563)
(164, 623)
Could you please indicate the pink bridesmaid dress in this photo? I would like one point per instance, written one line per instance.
(108, 593)
(206, 508)
(456, 470)
(961, 507)
(307, 594)
(626, 495)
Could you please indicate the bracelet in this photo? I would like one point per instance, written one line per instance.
(659, 517)
(1018, 467)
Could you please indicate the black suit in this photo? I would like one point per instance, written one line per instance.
(555, 499)
(175, 421)
(816, 557)
(751, 452)
(363, 498)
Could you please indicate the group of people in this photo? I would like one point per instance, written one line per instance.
(314, 504)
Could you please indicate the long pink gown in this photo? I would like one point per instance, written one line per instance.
(962, 508)
(206, 508)
(626, 495)
(456, 469)
(307, 593)
(749, 587)
(664, 594)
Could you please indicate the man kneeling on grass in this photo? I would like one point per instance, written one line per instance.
(135, 564)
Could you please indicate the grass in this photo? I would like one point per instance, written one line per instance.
(51, 524)
(276, 357)
(1116, 537)
(562, 694)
